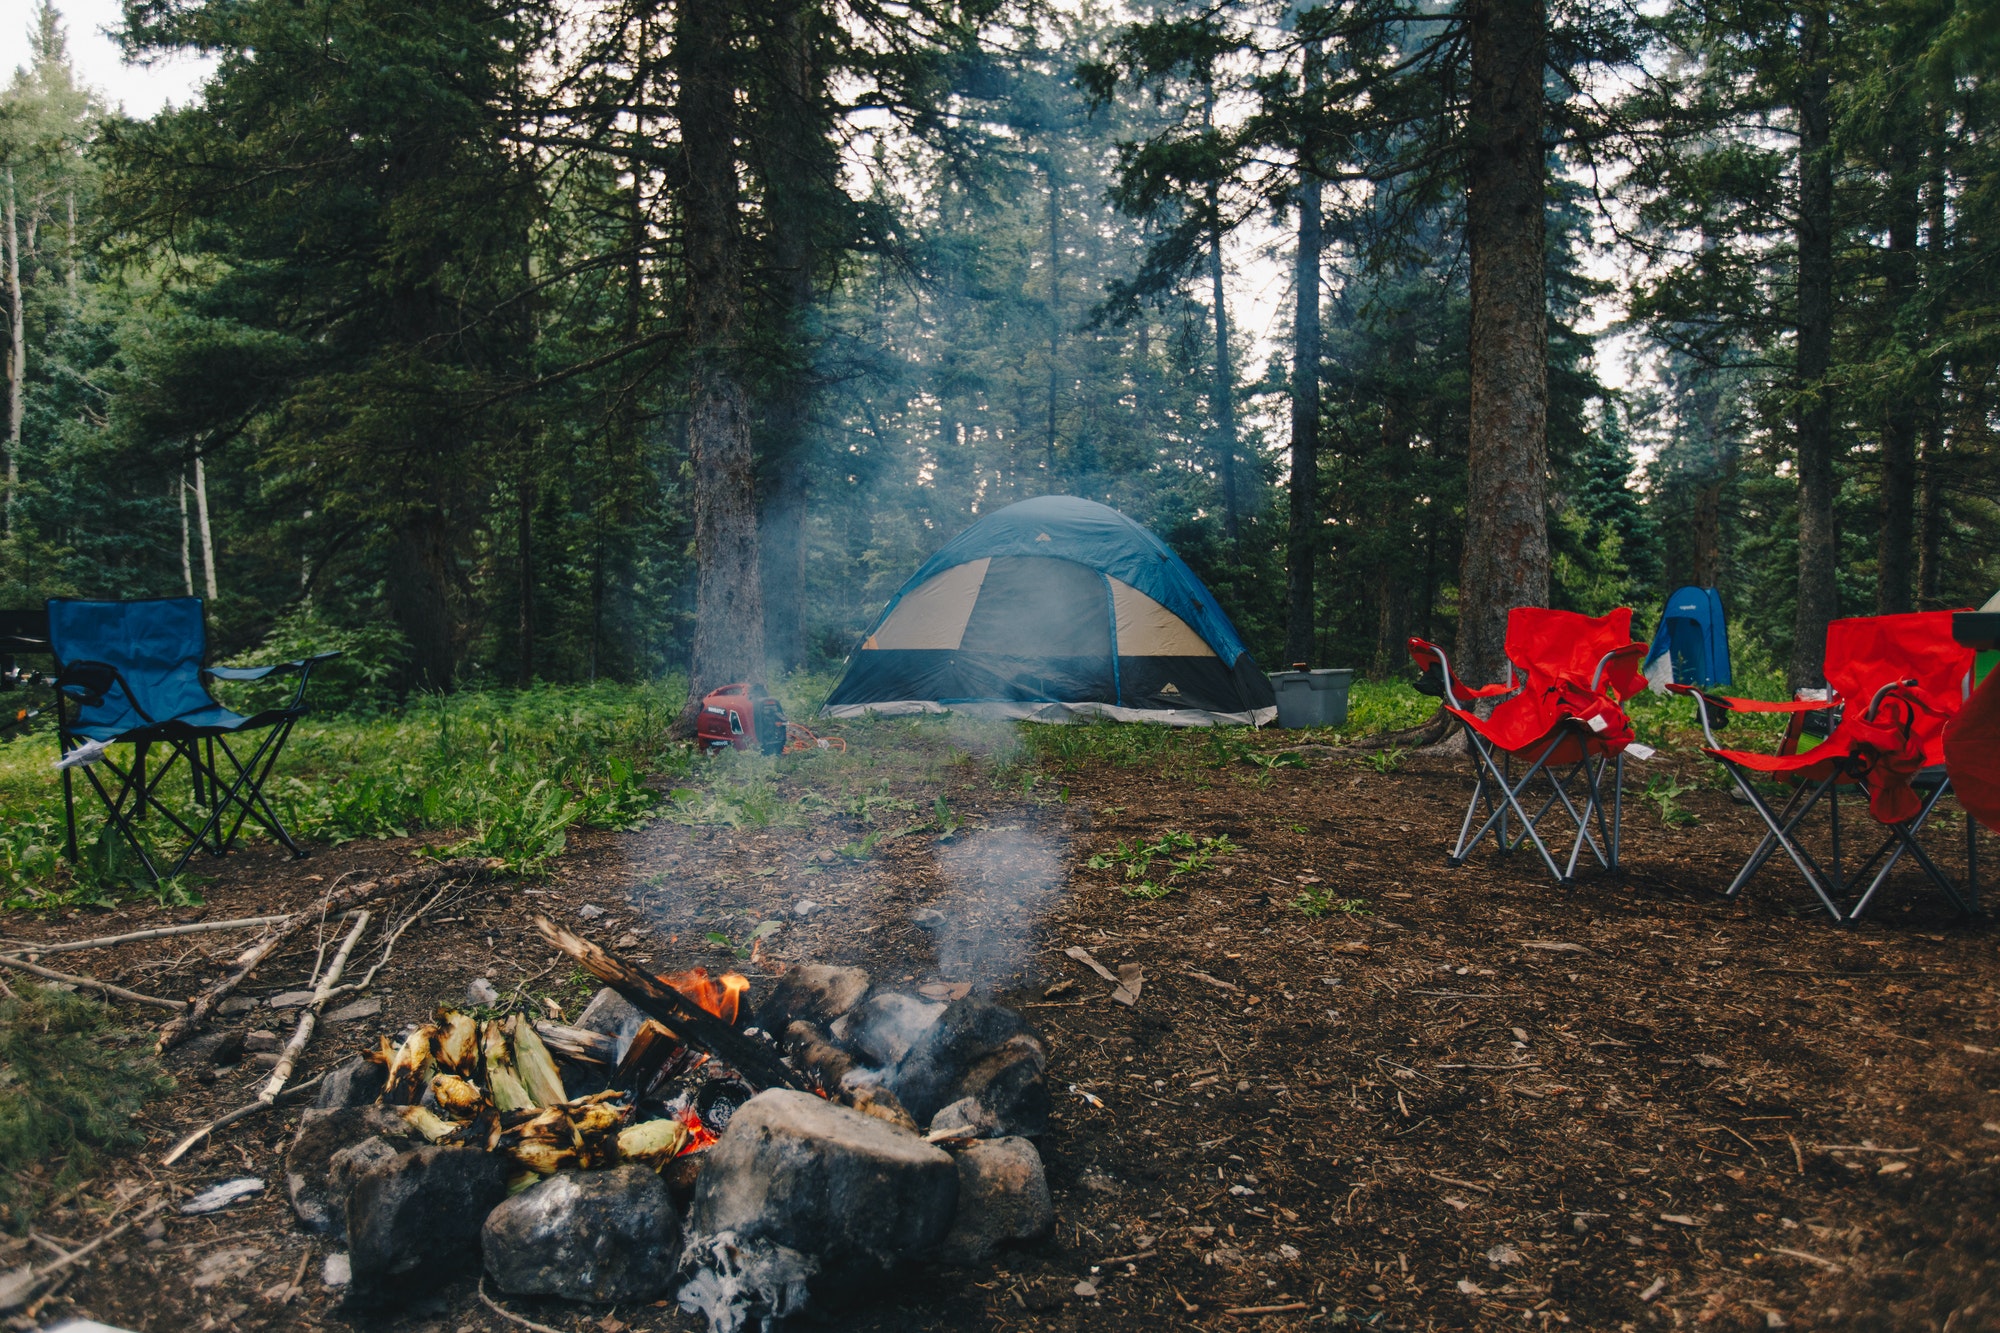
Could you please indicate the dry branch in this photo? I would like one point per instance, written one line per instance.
(158, 933)
(92, 983)
(197, 1012)
(688, 1020)
(18, 1290)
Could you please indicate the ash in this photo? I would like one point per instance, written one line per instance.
(737, 1284)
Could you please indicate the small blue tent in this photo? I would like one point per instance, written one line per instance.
(1691, 647)
(1055, 608)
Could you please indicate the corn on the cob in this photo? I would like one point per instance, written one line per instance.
(458, 1047)
(653, 1143)
(410, 1069)
(432, 1126)
(456, 1097)
(503, 1083)
(537, 1068)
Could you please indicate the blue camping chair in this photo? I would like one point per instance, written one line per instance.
(132, 673)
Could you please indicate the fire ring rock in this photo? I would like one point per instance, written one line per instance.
(847, 1195)
(585, 1236)
(1003, 1198)
(326, 1136)
(977, 1049)
(415, 1219)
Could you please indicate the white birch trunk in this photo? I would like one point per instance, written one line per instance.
(17, 352)
(201, 518)
(187, 565)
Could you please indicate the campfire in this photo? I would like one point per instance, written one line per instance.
(753, 1146)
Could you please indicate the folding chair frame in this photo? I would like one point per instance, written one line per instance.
(1828, 885)
(85, 683)
(1494, 786)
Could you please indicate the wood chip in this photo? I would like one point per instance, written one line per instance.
(1216, 982)
(1827, 1264)
(1554, 946)
(1264, 1309)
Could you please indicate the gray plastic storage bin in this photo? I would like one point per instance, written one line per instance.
(1312, 698)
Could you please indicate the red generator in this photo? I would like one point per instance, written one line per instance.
(741, 717)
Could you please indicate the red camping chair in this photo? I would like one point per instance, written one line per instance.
(1562, 718)
(1893, 683)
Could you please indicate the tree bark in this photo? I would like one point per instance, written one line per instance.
(17, 350)
(1225, 377)
(418, 588)
(187, 563)
(524, 537)
(729, 603)
(1055, 313)
(1931, 515)
(801, 190)
(1895, 553)
(202, 525)
(1818, 598)
(1506, 558)
(1302, 539)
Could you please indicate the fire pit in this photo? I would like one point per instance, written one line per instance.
(754, 1153)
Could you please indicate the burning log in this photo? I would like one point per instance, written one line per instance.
(688, 1021)
(578, 1045)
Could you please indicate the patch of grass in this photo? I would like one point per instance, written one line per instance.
(1182, 854)
(1386, 760)
(1665, 791)
(69, 1088)
(1316, 901)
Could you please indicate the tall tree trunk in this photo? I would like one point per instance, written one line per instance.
(1818, 600)
(1225, 376)
(729, 603)
(1895, 553)
(1302, 540)
(802, 193)
(1055, 313)
(201, 523)
(187, 564)
(17, 350)
(1931, 517)
(524, 536)
(418, 587)
(1506, 558)
(1718, 471)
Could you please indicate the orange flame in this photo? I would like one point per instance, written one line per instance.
(719, 995)
(701, 1137)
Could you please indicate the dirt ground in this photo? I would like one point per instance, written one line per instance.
(1477, 1100)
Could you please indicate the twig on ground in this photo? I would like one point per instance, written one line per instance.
(507, 1314)
(274, 1086)
(388, 947)
(158, 933)
(240, 1113)
(179, 1028)
(92, 983)
(35, 1278)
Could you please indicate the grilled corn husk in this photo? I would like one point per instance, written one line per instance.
(432, 1126)
(544, 1142)
(503, 1081)
(534, 1063)
(458, 1046)
(410, 1068)
(653, 1143)
(455, 1097)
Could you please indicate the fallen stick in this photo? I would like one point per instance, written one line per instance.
(160, 933)
(308, 1020)
(92, 983)
(179, 1028)
(18, 1289)
(1266, 1309)
(240, 1113)
(388, 947)
(688, 1020)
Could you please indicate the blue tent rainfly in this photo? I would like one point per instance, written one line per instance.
(1056, 608)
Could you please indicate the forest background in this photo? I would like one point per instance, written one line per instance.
(475, 337)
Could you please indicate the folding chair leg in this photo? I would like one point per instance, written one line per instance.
(1904, 836)
(1781, 831)
(1510, 792)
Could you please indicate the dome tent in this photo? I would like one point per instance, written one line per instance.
(1052, 609)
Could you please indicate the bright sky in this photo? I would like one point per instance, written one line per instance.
(140, 90)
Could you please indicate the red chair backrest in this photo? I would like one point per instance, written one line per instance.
(1864, 653)
(1567, 646)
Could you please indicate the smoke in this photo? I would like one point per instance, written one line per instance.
(998, 883)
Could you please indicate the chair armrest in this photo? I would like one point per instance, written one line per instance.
(1629, 650)
(304, 664)
(1896, 687)
(88, 682)
(1440, 682)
